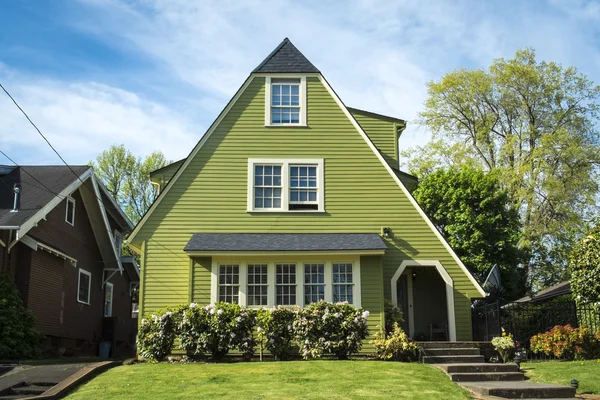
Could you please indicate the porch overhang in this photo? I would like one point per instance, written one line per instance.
(273, 244)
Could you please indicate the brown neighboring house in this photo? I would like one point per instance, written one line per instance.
(60, 240)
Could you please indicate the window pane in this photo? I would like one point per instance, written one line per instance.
(229, 283)
(295, 89)
(285, 288)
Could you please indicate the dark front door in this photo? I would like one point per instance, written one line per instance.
(402, 290)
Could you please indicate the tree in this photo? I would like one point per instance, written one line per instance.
(585, 268)
(126, 178)
(536, 124)
(478, 220)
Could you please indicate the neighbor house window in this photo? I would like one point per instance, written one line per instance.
(285, 286)
(286, 102)
(286, 185)
(229, 283)
(84, 284)
(118, 242)
(108, 299)
(314, 283)
(342, 283)
(257, 285)
(134, 292)
(70, 214)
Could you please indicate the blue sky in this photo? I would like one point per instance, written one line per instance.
(154, 74)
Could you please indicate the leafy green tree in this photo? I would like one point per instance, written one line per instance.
(536, 124)
(478, 220)
(126, 178)
(585, 268)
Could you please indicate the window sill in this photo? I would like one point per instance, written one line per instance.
(285, 211)
(286, 126)
(82, 302)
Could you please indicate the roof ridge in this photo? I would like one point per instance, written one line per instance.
(286, 58)
(272, 54)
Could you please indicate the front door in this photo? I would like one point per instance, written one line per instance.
(403, 300)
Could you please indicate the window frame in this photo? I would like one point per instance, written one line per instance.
(112, 299)
(302, 100)
(286, 164)
(70, 200)
(266, 285)
(244, 261)
(118, 242)
(89, 274)
(240, 271)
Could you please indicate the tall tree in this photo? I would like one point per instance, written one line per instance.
(478, 220)
(535, 123)
(126, 178)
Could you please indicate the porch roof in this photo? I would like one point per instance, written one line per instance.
(277, 242)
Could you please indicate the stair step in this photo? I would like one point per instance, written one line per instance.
(451, 352)
(520, 390)
(471, 368)
(450, 345)
(30, 389)
(452, 359)
(487, 376)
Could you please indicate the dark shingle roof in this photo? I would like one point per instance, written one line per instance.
(286, 58)
(33, 196)
(284, 242)
(548, 293)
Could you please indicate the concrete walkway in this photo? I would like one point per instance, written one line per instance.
(35, 380)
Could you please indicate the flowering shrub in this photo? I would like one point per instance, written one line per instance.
(567, 342)
(275, 329)
(395, 346)
(330, 328)
(156, 335)
(216, 329)
(504, 345)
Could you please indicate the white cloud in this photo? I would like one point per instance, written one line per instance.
(82, 119)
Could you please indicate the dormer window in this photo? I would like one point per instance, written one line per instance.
(285, 101)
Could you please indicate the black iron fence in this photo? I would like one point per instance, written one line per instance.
(524, 320)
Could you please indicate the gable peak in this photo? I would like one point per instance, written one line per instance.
(286, 58)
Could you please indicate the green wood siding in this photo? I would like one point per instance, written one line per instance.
(371, 278)
(201, 280)
(361, 196)
(382, 132)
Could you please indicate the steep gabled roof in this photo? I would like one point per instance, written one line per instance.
(286, 58)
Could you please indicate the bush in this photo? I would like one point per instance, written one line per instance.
(156, 335)
(505, 345)
(216, 329)
(567, 342)
(275, 329)
(393, 315)
(395, 346)
(330, 328)
(18, 337)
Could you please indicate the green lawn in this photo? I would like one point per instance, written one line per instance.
(273, 380)
(562, 372)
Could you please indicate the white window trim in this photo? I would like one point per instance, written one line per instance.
(243, 271)
(84, 272)
(285, 182)
(118, 235)
(302, 102)
(72, 201)
(112, 299)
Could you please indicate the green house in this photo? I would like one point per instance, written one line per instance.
(291, 197)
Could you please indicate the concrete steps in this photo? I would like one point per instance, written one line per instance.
(452, 359)
(520, 390)
(486, 376)
(482, 367)
(26, 390)
(450, 352)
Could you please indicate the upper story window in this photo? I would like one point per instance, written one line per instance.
(70, 214)
(118, 242)
(276, 185)
(285, 102)
(84, 285)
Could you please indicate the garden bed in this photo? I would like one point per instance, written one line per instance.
(274, 380)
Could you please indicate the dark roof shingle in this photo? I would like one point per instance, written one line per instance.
(286, 58)
(33, 196)
(284, 242)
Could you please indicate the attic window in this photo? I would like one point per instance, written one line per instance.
(285, 102)
(70, 214)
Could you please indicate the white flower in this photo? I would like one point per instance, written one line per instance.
(144, 321)
(212, 311)
(365, 314)
(259, 329)
(239, 319)
(192, 305)
(219, 311)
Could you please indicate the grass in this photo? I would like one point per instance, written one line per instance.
(562, 372)
(273, 380)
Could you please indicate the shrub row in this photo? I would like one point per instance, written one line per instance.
(568, 343)
(319, 329)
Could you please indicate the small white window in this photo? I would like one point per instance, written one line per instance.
(84, 284)
(286, 185)
(229, 283)
(118, 242)
(70, 214)
(314, 283)
(285, 102)
(257, 285)
(342, 283)
(108, 299)
(285, 286)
